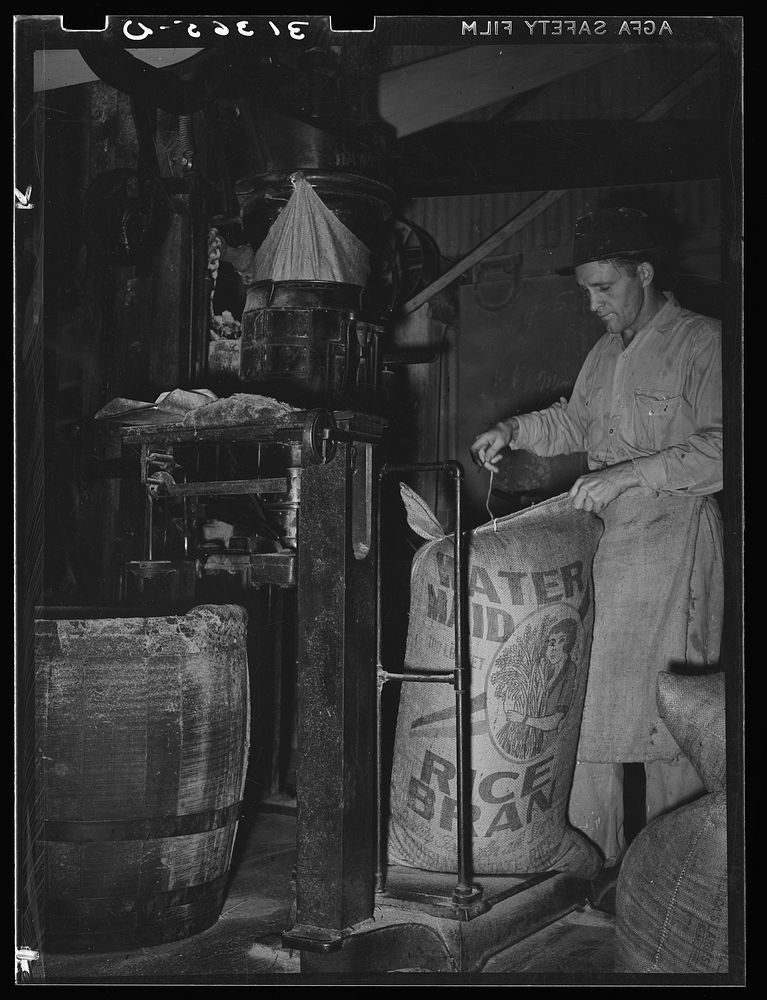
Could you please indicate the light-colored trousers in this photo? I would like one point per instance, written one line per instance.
(596, 798)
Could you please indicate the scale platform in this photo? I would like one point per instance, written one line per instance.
(416, 925)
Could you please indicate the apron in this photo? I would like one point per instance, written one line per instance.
(658, 603)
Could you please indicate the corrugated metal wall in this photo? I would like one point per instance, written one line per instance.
(601, 92)
(618, 89)
(644, 77)
(458, 224)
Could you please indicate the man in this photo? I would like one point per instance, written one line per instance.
(646, 408)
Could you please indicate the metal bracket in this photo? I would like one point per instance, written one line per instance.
(220, 487)
(307, 937)
(319, 436)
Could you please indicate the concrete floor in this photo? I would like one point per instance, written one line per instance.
(245, 945)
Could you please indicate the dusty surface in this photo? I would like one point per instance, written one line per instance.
(244, 946)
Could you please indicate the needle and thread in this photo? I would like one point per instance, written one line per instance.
(487, 501)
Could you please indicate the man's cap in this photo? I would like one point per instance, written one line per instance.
(610, 232)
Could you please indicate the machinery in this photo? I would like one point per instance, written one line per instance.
(316, 481)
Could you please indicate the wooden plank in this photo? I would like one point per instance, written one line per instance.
(435, 90)
(500, 236)
(170, 296)
(335, 700)
(674, 96)
(470, 158)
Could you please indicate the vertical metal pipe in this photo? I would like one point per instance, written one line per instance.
(193, 291)
(379, 661)
(143, 475)
(380, 880)
(185, 515)
(463, 887)
(380, 877)
(276, 616)
(150, 524)
(464, 891)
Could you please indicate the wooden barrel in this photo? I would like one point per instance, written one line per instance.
(143, 731)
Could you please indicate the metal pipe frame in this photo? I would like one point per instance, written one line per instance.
(459, 676)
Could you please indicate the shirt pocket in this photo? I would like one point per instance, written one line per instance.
(655, 412)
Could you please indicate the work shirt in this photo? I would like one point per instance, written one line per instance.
(657, 403)
(657, 572)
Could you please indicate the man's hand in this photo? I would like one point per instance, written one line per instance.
(487, 447)
(596, 490)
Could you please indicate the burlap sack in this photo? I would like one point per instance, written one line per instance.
(693, 708)
(671, 897)
(530, 619)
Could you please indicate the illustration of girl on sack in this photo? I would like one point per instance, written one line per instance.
(535, 681)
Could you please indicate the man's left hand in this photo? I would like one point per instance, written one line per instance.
(596, 490)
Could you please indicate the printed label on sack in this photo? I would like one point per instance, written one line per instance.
(532, 680)
(492, 592)
(503, 800)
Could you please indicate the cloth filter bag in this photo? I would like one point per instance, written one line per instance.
(307, 242)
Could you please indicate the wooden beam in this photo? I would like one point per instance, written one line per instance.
(435, 90)
(678, 93)
(500, 236)
(481, 157)
(534, 209)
